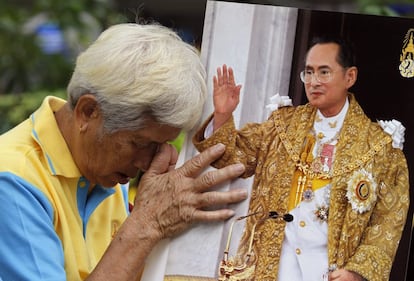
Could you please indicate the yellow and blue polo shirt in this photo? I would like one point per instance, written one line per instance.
(51, 227)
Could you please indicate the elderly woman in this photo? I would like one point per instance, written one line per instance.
(63, 198)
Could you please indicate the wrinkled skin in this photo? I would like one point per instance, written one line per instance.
(168, 201)
(172, 200)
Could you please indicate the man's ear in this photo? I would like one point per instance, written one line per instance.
(351, 76)
(86, 110)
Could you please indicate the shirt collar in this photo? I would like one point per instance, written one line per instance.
(47, 134)
(337, 119)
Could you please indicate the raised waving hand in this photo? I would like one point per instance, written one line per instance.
(226, 95)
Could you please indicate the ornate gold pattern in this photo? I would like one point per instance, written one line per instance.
(271, 150)
(229, 269)
(407, 55)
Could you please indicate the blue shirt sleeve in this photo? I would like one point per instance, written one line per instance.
(125, 188)
(30, 249)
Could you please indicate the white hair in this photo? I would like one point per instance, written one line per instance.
(139, 71)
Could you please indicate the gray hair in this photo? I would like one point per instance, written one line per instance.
(141, 71)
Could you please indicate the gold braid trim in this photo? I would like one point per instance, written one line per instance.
(294, 152)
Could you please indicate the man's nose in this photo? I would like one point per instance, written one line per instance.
(314, 80)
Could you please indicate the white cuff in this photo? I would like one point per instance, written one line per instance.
(208, 132)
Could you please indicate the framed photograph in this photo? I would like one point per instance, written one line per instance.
(266, 46)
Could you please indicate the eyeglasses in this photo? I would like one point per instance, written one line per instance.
(228, 267)
(321, 75)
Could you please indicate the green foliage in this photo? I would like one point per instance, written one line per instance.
(16, 108)
(383, 7)
(378, 10)
(23, 65)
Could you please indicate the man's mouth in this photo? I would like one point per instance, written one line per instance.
(316, 93)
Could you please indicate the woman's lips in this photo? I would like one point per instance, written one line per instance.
(122, 178)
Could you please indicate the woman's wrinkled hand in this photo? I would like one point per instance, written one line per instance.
(172, 199)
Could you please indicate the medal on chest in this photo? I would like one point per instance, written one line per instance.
(324, 158)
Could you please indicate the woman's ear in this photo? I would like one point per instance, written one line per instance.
(351, 76)
(86, 110)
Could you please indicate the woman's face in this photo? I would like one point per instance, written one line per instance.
(108, 159)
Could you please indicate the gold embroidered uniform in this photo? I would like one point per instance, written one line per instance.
(368, 199)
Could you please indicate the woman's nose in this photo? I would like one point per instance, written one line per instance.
(144, 157)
